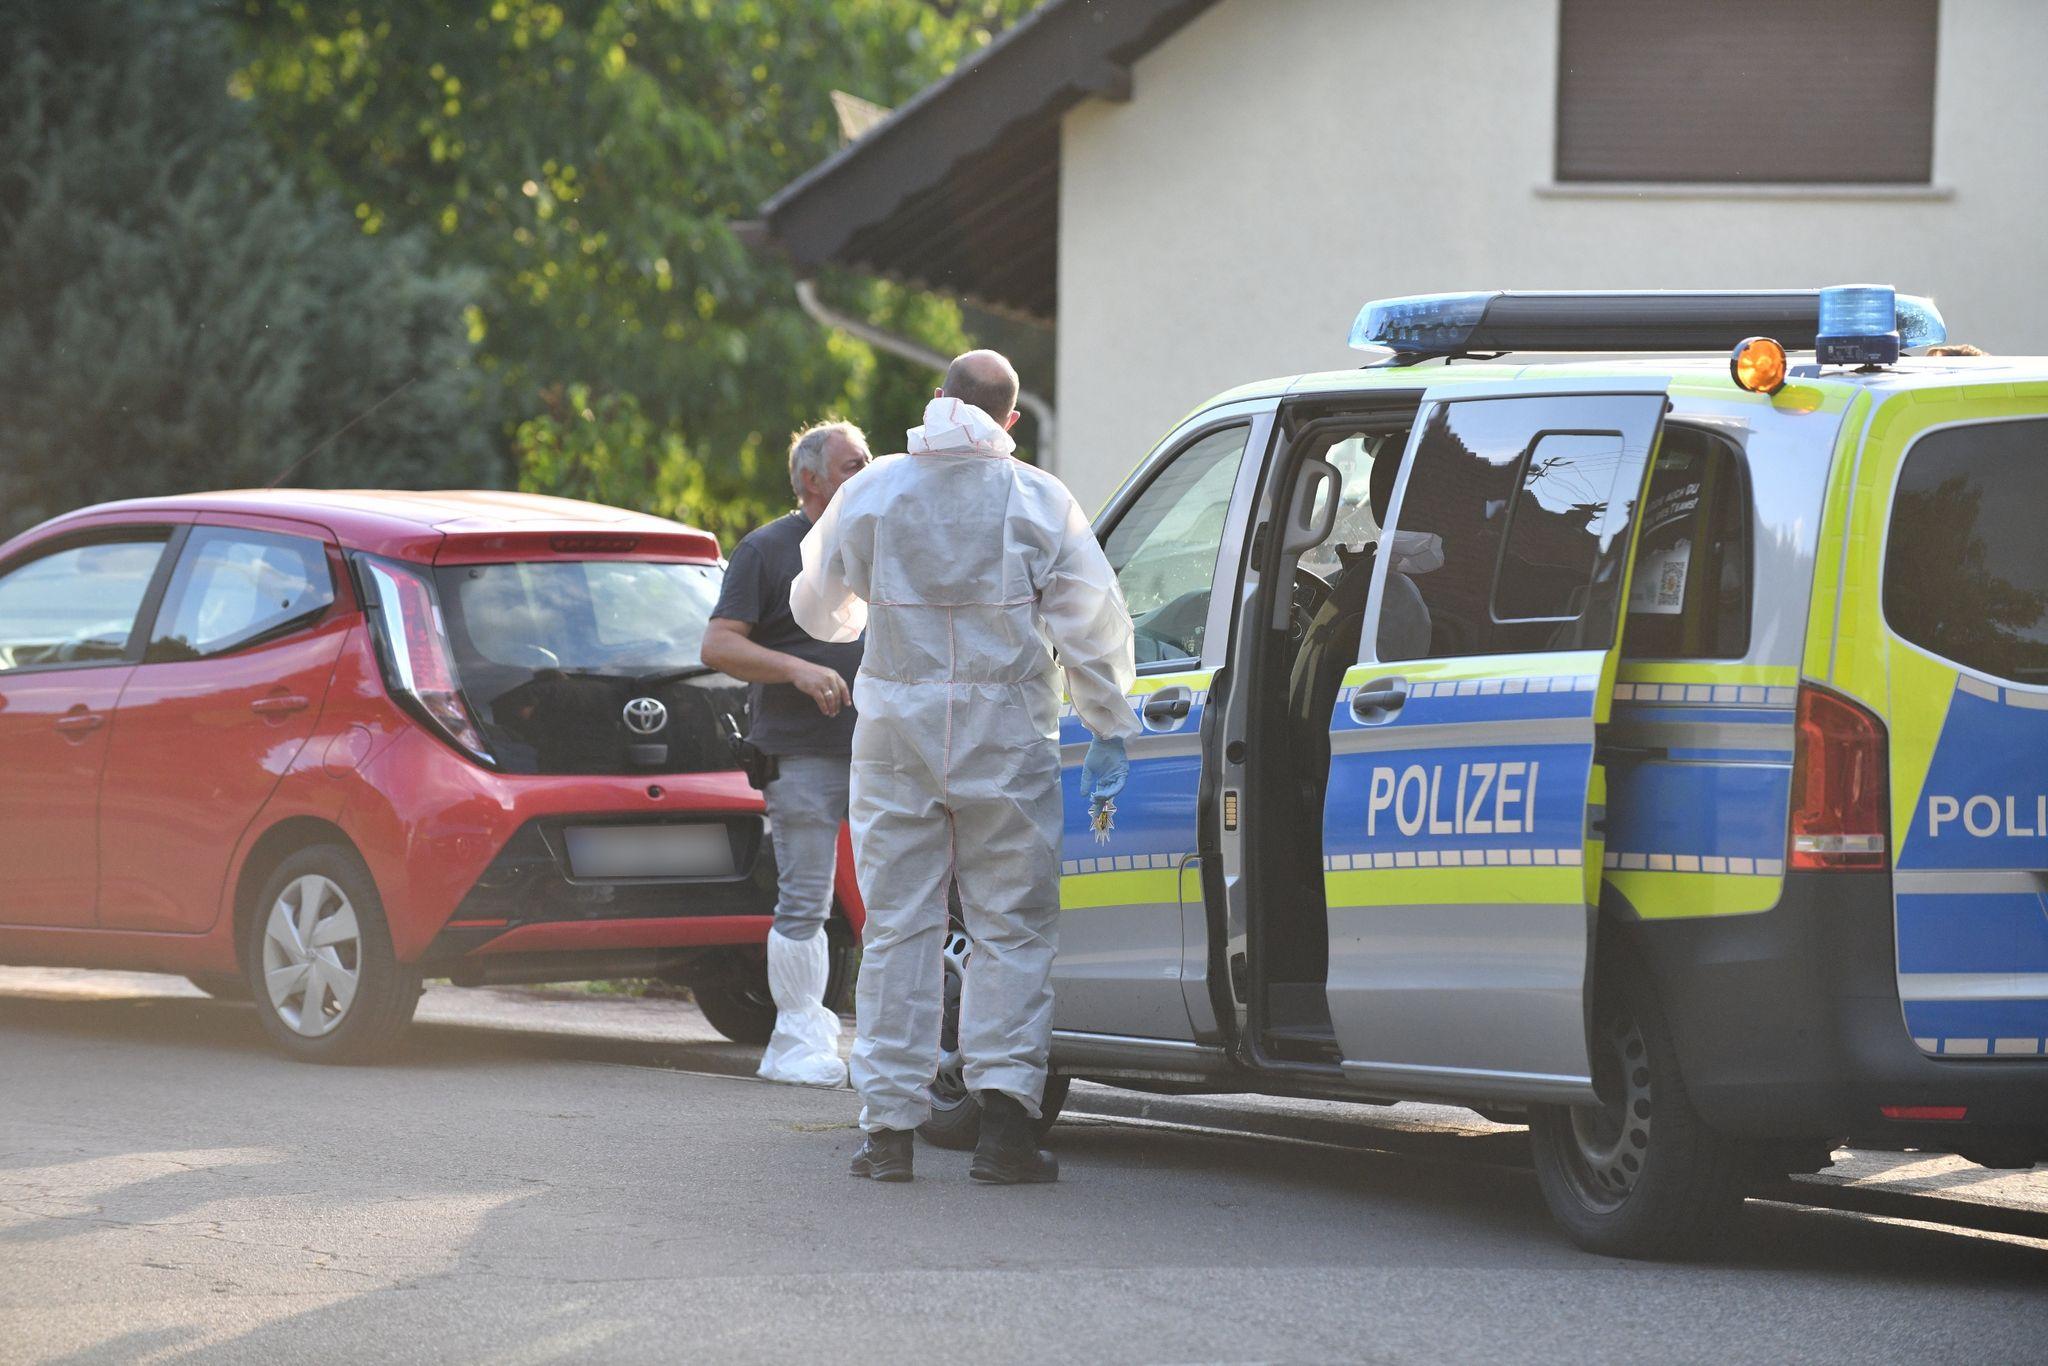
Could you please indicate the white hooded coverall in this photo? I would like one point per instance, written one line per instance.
(963, 565)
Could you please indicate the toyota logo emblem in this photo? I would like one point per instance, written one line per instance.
(645, 716)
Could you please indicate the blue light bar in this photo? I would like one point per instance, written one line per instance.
(1858, 325)
(1421, 326)
(1421, 322)
(1919, 322)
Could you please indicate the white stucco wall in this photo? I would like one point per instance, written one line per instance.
(1283, 161)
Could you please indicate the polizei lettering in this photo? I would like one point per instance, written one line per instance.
(1984, 817)
(1474, 799)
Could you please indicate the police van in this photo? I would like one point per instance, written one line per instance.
(1654, 749)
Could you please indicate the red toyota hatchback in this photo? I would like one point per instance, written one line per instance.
(314, 747)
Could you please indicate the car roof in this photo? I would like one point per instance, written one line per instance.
(401, 521)
(1693, 371)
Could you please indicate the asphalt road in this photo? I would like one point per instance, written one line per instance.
(552, 1179)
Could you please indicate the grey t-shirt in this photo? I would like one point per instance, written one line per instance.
(756, 591)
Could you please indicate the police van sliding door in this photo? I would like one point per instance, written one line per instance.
(1461, 841)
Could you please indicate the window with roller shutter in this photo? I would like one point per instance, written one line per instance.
(1746, 91)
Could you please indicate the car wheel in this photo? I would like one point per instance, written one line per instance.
(319, 961)
(731, 986)
(956, 1119)
(1640, 1174)
(221, 986)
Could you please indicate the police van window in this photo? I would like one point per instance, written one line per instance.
(1164, 546)
(1530, 540)
(233, 587)
(1356, 529)
(1560, 519)
(1689, 597)
(1966, 560)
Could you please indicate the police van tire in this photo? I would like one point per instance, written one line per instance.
(1643, 1175)
(956, 1119)
(352, 944)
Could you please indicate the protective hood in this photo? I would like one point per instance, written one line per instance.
(1416, 552)
(950, 425)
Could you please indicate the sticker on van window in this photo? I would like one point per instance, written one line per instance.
(1659, 586)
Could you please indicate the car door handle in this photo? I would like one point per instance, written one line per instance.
(1377, 701)
(282, 704)
(1163, 708)
(78, 723)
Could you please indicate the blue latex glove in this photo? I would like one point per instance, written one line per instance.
(1104, 770)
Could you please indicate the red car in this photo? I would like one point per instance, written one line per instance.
(314, 747)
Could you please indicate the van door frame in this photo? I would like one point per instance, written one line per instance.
(1224, 832)
(1198, 923)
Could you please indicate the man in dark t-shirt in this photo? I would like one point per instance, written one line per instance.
(802, 704)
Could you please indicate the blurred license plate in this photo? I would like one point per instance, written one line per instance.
(649, 851)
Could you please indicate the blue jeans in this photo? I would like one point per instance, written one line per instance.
(806, 806)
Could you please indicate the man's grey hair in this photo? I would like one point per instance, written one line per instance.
(810, 450)
(986, 379)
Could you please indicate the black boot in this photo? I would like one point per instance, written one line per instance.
(884, 1156)
(1008, 1153)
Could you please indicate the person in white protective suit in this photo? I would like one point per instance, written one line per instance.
(968, 569)
(802, 716)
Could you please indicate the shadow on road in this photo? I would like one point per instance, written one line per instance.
(1323, 1192)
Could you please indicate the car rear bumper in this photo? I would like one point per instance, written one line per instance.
(470, 861)
(1788, 1025)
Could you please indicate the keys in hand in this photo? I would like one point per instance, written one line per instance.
(1102, 818)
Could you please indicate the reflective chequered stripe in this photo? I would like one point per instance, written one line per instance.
(1455, 858)
(1489, 687)
(1707, 694)
(1980, 1048)
(1695, 863)
(1120, 863)
(2012, 697)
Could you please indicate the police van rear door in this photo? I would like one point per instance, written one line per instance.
(1462, 828)
(1962, 677)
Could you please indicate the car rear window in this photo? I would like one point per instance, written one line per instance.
(1966, 560)
(1689, 595)
(590, 615)
(550, 652)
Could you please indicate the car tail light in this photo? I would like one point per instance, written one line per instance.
(1947, 1114)
(413, 648)
(1838, 785)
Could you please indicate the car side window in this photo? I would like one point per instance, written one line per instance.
(1522, 496)
(233, 587)
(1164, 546)
(75, 606)
(1689, 597)
(1966, 563)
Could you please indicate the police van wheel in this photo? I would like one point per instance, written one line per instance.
(956, 1120)
(1639, 1175)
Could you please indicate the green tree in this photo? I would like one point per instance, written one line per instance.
(590, 157)
(174, 312)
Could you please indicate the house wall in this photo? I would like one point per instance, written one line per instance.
(1283, 161)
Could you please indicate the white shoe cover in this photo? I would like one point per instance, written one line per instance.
(804, 1049)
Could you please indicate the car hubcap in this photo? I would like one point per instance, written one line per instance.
(1611, 1142)
(312, 955)
(949, 1086)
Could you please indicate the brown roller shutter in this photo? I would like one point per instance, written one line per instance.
(1767, 91)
